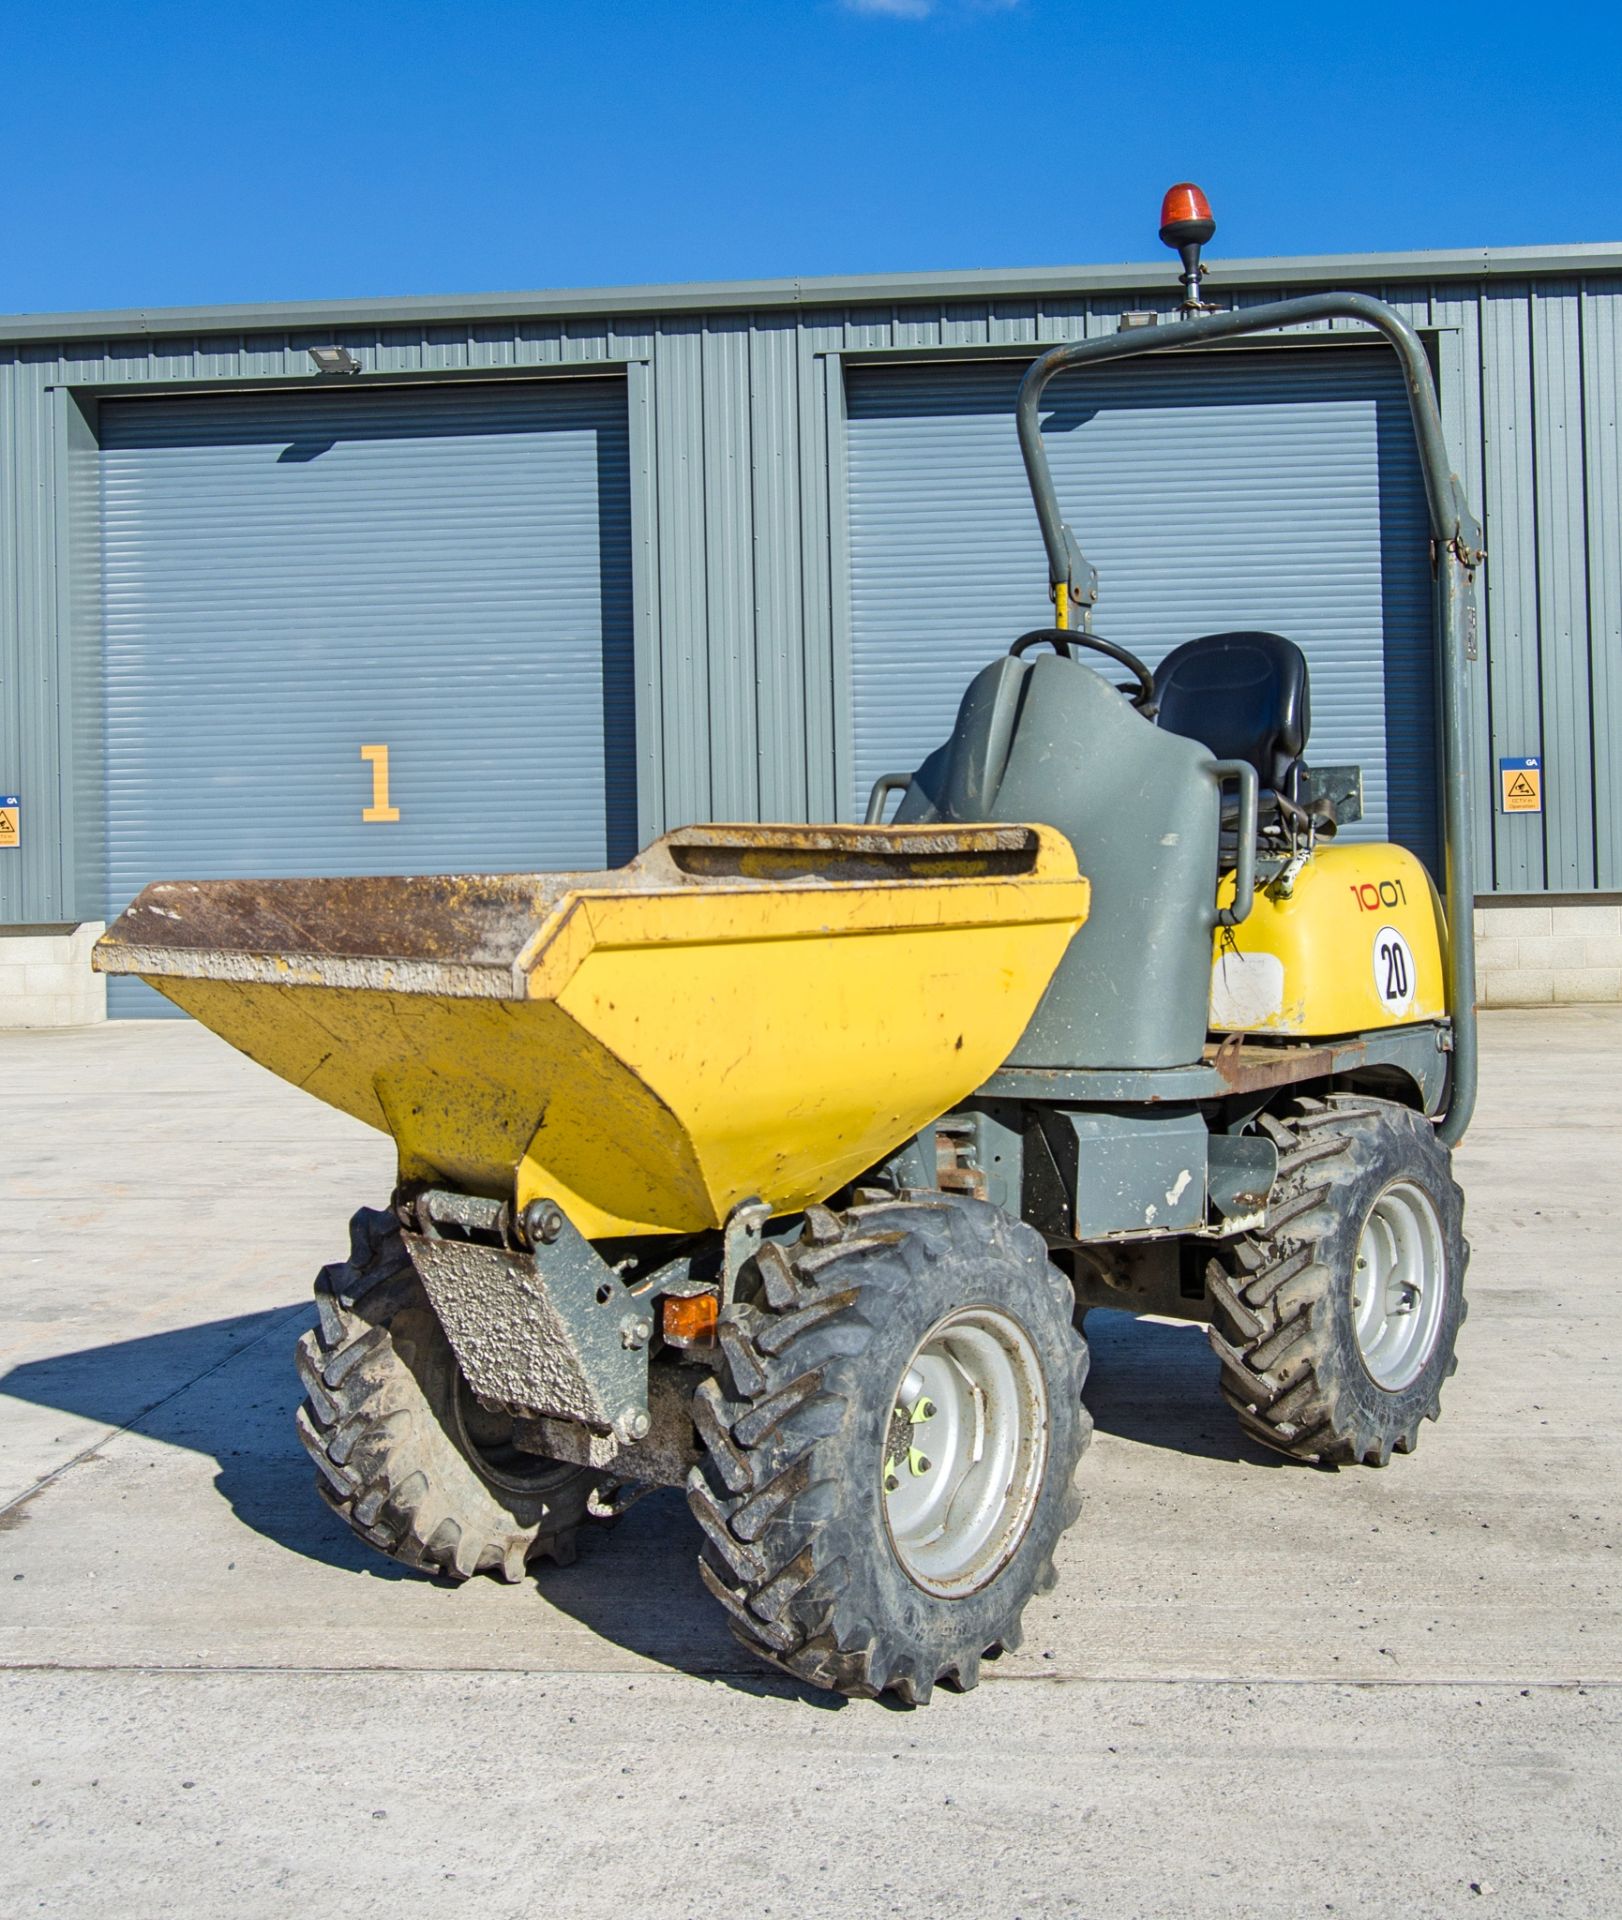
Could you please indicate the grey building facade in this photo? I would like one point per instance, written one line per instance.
(546, 574)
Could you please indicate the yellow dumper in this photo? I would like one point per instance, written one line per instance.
(784, 1162)
(740, 1013)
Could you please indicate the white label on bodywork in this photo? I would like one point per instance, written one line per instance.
(1393, 971)
(1246, 989)
(1175, 1193)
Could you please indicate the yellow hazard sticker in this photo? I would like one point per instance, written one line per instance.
(1520, 785)
(11, 818)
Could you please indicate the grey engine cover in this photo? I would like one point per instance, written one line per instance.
(1049, 740)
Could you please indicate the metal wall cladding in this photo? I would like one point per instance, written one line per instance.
(1278, 490)
(741, 547)
(288, 578)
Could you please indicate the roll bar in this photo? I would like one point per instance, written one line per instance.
(1456, 554)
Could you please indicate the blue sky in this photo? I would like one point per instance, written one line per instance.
(158, 153)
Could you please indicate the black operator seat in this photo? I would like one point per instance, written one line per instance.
(1245, 696)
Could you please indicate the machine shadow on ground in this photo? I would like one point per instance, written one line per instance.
(226, 1390)
(1154, 1382)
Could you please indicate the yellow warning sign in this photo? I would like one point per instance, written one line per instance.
(11, 816)
(1520, 785)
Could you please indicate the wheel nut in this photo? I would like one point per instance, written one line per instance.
(890, 1483)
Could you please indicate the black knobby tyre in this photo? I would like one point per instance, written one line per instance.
(800, 1431)
(1288, 1303)
(405, 1454)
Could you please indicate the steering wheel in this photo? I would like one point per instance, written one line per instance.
(1062, 639)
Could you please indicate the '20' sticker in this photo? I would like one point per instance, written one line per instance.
(1393, 971)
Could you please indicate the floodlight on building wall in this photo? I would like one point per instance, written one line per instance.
(334, 360)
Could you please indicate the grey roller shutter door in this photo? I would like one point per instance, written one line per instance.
(1277, 490)
(289, 577)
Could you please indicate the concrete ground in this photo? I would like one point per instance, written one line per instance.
(1259, 1689)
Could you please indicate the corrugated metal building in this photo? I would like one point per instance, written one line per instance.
(549, 573)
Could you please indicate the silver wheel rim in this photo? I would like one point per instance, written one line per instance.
(964, 1451)
(1399, 1286)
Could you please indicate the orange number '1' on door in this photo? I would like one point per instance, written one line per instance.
(380, 808)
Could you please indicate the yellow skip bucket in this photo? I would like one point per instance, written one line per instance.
(754, 1011)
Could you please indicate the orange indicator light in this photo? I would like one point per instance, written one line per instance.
(689, 1319)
